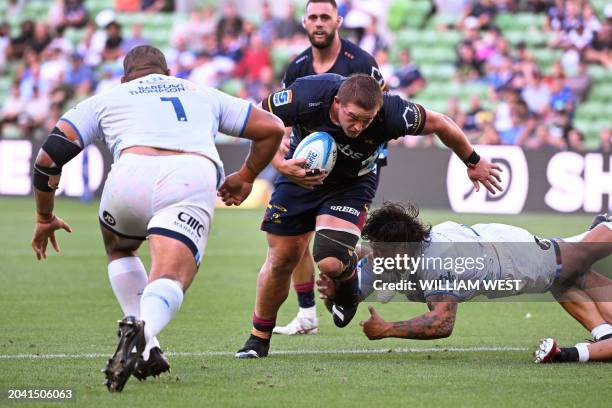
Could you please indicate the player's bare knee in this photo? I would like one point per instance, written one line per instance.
(331, 266)
(281, 262)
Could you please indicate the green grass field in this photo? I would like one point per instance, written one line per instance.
(58, 323)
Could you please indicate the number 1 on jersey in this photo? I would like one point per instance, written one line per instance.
(181, 116)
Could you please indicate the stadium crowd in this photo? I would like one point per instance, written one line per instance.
(217, 45)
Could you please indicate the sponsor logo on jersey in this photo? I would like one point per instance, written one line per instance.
(282, 98)
(191, 222)
(346, 209)
(108, 218)
(314, 104)
(297, 61)
(542, 243)
(347, 151)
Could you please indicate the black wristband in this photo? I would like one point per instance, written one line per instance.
(472, 159)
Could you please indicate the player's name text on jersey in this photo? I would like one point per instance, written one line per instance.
(412, 264)
(405, 285)
(159, 88)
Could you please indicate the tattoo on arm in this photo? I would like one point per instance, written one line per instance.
(435, 324)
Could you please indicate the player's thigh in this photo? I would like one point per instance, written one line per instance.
(284, 251)
(126, 204)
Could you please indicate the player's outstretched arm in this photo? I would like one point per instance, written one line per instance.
(436, 324)
(60, 147)
(479, 170)
(266, 132)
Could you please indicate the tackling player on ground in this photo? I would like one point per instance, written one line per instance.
(162, 187)
(559, 266)
(328, 54)
(361, 119)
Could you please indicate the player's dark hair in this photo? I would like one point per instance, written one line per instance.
(396, 222)
(332, 2)
(362, 90)
(145, 59)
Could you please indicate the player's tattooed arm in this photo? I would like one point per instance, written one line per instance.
(436, 324)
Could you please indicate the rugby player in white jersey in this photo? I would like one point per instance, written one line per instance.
(509, 254)
(162, 187)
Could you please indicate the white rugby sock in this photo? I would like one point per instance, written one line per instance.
(601, 330)
(128, 279)
(583, 352)
(308, 312)
(160, 301)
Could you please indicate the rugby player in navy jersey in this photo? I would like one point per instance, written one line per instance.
(360, 119)
(328, 54)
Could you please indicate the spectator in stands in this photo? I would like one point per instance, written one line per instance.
(136, 39)
(35, 113)
(109, 78)
(476, 117)
(19, 44)
(14, 8)
(5, 40)
(230, 23)
(114, 41)
(408, 77)
(600, 49)
(484, 11)
(575, 140)
(255, 58)
(127, 6)
(606, 140)
(80, 77)
(371, 41)
(467, 66)
(205, 72)
(580, 83)
(454, 112)
(59, 41)
(561, 97)
(41, 38)
(288, 26)
(449, 13)
(13, 108)
(268, 27)
(154, 6)
(536, 95)
(75, 14)
(201, 23)
(180, 58)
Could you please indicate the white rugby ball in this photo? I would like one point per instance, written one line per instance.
(320, 151)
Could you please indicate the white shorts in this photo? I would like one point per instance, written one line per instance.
(534, 261)
(173, 196)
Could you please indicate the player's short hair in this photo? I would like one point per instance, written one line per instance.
(144, 58)
(332, 2)
(362, 90)
(397, 223)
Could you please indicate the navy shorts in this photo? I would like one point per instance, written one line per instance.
(293, 209)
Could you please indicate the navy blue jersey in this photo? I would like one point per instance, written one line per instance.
(305, 105)
(351, 60)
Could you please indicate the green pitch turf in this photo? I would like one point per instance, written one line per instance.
(58, 323)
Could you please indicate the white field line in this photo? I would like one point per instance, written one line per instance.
(276, 352)
(100, 253)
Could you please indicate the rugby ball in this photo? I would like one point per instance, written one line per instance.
(320, 151)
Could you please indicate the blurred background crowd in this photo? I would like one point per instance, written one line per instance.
(532, 73)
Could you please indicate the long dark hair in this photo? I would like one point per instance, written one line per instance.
(396, 222)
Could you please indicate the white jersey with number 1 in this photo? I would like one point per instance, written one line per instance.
(163, 112)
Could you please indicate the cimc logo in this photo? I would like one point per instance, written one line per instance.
(463, 197)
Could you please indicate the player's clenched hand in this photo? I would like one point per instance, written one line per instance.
(45, 231)
(375, 327)
(294, 170)
(234, 189)
(284, 145)
(486, 174)
(326, 287)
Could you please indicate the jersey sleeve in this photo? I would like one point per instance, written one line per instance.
(285, 103)
(85, 121)
(402, 117)
(233, 113)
